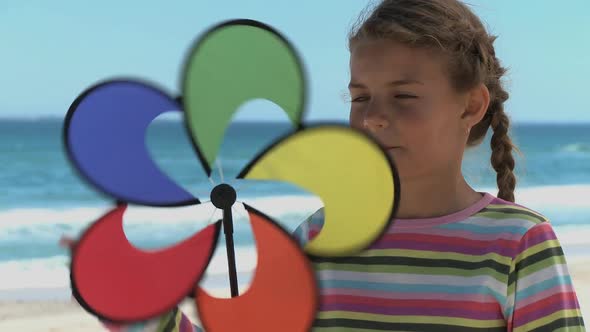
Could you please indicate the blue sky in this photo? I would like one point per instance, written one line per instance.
(52, 50)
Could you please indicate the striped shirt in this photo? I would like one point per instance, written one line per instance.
(494, 266)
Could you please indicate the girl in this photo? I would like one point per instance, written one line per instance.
(426, 84)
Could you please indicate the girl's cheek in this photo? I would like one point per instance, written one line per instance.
(356, 118)
(418, 110)
(407, 113)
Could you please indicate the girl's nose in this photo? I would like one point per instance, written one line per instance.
(375, 120)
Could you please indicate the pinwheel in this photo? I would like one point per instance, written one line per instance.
(231, 63)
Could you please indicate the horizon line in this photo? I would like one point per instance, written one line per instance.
(33, 118)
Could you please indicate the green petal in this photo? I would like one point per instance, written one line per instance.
(231, 64)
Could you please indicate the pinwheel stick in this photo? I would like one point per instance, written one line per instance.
(223, 197)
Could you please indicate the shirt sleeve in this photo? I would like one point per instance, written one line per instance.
(174, 321)
(541, 295)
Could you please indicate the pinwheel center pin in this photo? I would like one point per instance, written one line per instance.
(223, 196)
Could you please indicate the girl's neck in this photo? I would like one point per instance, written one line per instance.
(435, 196)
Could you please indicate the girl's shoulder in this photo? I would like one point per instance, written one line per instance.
(505, 217)
(501, 209)
(495, 216)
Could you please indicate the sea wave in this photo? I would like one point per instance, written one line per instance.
(553, 196)
(47, 277)
(31, 222)
(576, 195)
(576, 147)
(53, 272)
(564, 204)
(273, 205)
(31, 234)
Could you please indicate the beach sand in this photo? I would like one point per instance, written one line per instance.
(64, 315)
(55, 316)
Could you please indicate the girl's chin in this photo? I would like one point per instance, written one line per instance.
(395, 153)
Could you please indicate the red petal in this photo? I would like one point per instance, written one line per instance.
(119, 282)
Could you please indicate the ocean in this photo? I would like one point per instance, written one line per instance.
(42, 197)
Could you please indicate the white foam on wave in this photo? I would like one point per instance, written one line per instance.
(285, 208)
(565, 195)
(53, 272)
(280, 207)
(563, 204)
(82, 216)
(274, 205)
(37, 225)
(576, 147)
(24, 278)
(50, 224)
(561, 196)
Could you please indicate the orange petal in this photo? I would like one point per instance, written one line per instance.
(283, 293)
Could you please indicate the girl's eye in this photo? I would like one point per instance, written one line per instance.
(405, 96)
(360, 99)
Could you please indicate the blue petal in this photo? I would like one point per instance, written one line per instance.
(105, 133)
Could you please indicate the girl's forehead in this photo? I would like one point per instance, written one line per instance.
(372, 61)
(389, 47)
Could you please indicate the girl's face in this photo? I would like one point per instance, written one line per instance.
(403, 98)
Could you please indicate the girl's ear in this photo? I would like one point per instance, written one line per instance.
(477, 105)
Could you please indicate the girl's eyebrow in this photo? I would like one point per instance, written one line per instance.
(355, 85)
(404, 82)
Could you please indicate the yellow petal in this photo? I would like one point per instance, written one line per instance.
(352, 175)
